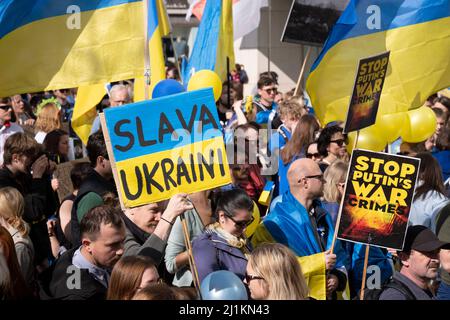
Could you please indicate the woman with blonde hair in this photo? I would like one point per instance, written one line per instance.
(130, 275)
(11, 212)
(335, 176)
(274, 273)
(48, 118)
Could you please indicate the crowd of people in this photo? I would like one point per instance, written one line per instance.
(85, 247)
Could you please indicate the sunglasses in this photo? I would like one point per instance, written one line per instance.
(271, 90)
(5, 107)
(250, 277)
(241, 224)
(317, 176)
(340, 142)
(313, 155)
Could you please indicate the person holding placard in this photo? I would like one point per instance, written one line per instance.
(299, 222)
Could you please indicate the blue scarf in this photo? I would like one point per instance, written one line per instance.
(289, 224)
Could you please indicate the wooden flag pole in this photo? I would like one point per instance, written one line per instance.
(302, 70)
(192, 265)
(363, 284)
(341, 204)
(146, 53)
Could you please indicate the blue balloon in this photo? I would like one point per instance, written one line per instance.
(223, 285)
(166, 88)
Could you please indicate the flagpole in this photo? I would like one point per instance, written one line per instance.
(146, 53)
(229, 80)
(363, 283)
(302, 70)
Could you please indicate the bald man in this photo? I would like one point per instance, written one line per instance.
(299, 222)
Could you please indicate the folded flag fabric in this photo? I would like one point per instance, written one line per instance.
(266, 195)
(417, 34)
(214, 41)
(47, 44)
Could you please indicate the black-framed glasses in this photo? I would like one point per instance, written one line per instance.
(339, 142)
(241, 224)
(313, 155)
(5, 107)
(271, 90)
(317, 176)
(250, 277)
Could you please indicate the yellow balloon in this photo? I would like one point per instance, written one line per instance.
(370, 138)
(390, 125)
(206, 79)
(256, 219)
(420, 125)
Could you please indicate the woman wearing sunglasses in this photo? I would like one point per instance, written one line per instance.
(223, 245)
(332, 144)
(287, 283)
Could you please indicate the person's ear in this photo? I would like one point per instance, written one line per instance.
(87, 243)
(15, 157)
(221, 216)
(404, 258)
(101, 161)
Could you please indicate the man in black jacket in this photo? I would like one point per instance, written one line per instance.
(83, 273)
(31, 176)
(96, 185)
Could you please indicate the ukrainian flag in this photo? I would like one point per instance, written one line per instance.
(214, 41)
(158, 26)
(51, 44)
(266, 195)
(417, 34)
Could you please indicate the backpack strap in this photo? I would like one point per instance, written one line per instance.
(399, 286)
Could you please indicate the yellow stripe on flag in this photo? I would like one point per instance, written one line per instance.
(225, 47)
(164, 24)
(84, 111)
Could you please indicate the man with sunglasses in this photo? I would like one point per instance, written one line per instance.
(299, 222)
(264, 106)
(7, 126)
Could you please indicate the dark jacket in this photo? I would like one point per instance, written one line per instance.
(94, 182)
(212, 253)
(139, 242)
(394, 294)
(40, 204)
(55, 286)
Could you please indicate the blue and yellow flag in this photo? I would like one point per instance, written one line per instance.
(48, 44)
(214, 41)
(84, 111)
(417, 34)
(158, 26)
(266, 195)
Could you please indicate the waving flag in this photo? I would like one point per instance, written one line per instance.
(214, 42)
(417, 34)
(158, 26)
(48, 44)
(246, 14)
